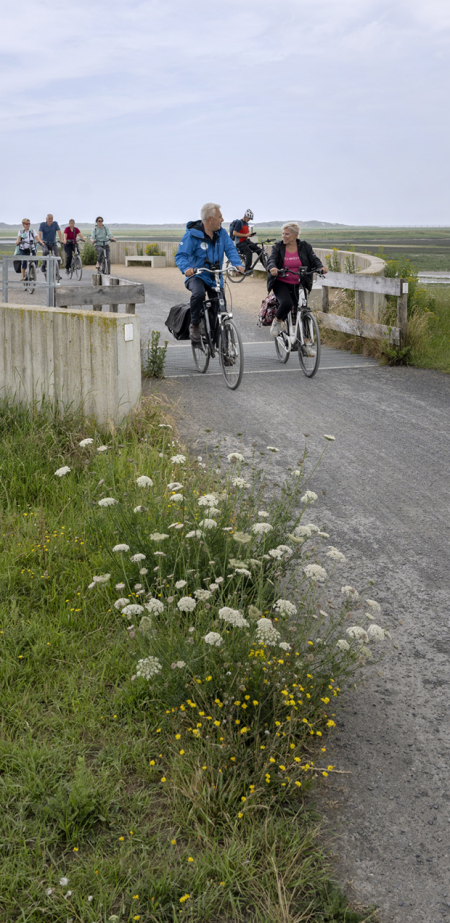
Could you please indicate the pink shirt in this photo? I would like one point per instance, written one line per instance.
(293, 262)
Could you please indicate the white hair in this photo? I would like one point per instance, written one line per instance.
(293, 226)
(209, 210)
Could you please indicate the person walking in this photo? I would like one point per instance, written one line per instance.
(289, 254)
(70, 237)
(26, 242)
(48, 230)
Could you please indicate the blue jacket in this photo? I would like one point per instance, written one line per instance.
(197, 249)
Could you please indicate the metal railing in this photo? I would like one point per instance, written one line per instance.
(49, 284)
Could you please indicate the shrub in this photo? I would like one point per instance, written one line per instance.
(153, 250)
(88, 254)
(156, 357)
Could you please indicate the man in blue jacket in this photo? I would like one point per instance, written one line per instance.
(204, 245)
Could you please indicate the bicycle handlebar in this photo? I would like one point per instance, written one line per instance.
(301, 272)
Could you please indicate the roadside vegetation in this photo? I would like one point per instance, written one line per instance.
(170, 674)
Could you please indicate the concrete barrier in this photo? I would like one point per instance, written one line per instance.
(87, 361)
(122, 248)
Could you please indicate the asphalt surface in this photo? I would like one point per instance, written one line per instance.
(384, 497)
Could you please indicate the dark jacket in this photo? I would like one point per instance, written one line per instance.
(306, 254)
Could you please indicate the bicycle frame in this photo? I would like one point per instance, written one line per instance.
(222, 314)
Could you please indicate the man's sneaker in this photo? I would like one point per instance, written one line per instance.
(276, 328)
(194, 333)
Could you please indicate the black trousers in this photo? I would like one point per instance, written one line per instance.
(198, 290)
(246, 248)
(287, 297)
(69, 247)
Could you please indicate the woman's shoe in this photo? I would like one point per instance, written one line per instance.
(276, 328)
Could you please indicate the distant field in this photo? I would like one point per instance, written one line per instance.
(427, 248)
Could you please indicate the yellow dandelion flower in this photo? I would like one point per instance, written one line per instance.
(240, 814)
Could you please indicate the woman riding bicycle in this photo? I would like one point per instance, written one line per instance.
(70, 238)
(26, 241)
(100, 238)
(289, 254)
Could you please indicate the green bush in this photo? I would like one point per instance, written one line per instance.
(88, 254)
(153, 250)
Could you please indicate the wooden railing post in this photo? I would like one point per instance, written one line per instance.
(402, 311)
(130, 309)
(325, 299)
(96, 280)
(114, 307)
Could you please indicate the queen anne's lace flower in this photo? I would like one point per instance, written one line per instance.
(296, 473)
(266, 633)
(178, 663)
(63, 882)
(176, 498)
(139, 509)
(261, 527)
(178, 459)
(207, 500)
(135, 558)
(144, 481)
(186, 604)
(165, 426)
(208, 524)
(372, 603)
(158, 536)
(315, 572)
(174, 485)
(214, 511)
(145, 625)
(235, 456)
(176, 525)
(275, 553)
(271, 448)
(357, 633)
(263, 514)
(148, 668)
(132, 609)
(103, 448)
(62, 471)
(343, 645)
(202, 595)
(308, 497)
(376, 633)
(155, 606)
(241, 537)
(284, 646)
(285, 608)
(213, 638)
(195, 533)
(120, 603)
(335, 555)
(243, 572)
(330, 438)
(219, 579)
(107, 501)
(85, 442)
(101, 578)
(180, 584)
(349, 592)
(239, 482)
(233, 616)
(121, 548)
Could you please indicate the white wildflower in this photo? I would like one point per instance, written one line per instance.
(143, 571)
(207, 500)
(213, 586)
(271, 448)
(235, 456)
(365, 652)
(233, 616)
(145, 625)
(284, 646)
(174, 485)
(315, 572)
(285, 608)
(154, 606)
(335, 555)
(120, 603)
(144, 481)
(48, 891)
(139, 509)
(191, 629)
(376, 633)
(242, 537)
(91, 897)
(176, 498)
(107, 501)
(178, 459)
(323, 534)
(243, 572)
(148, 668)
(208, 524)
(103, 448)
(349, 592)
(160, 554)
(343, 645)
(296, 473)
(132, 609)
(120, 586)
(330, 438)
(213, 638)
(219, 579)
(239, 482)
(308, 497)
(63, 882)
(135, 558)
(357, 633)
(180, 584)
(195, 533)
(372, 603)
(186, 604)
(180, 664)
(165, 426)
(214, 511)
(101, 578)
(261, 527)
(158, 536)
(62, 471)
(266, 633)
(202, 595)
(285, 549)
(263, 514)
(85, 442)
(176, 525)
(121, 548)
(276, 553)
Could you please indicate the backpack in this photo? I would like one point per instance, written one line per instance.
(267, 311)
(178, 321)
(233, 227)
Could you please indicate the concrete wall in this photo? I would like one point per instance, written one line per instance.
(72, 357)
(165, 246)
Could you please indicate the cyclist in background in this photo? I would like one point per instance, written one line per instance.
(289, 254)
(26, 241)
(240, 234)
(204, 245)
(100, 237)
(47, 238)
(70, 236)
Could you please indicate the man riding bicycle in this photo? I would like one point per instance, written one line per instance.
(100, 237)
(204, 244)
(47, 238)
(241, 233)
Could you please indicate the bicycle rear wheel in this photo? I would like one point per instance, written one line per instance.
(231, 355)
(309, 351)
(201, 354)
(282, 347)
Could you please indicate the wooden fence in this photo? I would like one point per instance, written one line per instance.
(357, 326)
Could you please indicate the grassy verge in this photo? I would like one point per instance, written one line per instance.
(168, 681)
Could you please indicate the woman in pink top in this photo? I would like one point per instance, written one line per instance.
(70, 235)
(289, 254)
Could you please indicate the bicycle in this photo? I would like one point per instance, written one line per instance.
(302, 333)
(229, 343)
(261, 257)
(104, 262)
(50, 252)
(76, 266)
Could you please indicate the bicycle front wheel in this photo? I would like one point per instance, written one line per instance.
(201, 354)
(231, 355)
(309, 350)
(31, 278)
(77, 267)
(233, 275)
(282, 347)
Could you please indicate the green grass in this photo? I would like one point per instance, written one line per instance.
(103, 780)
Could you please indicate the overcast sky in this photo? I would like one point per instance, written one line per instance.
(142, 111)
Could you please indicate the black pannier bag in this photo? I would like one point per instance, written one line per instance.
(178, 321)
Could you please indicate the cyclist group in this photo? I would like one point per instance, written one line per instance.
(46, 237)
